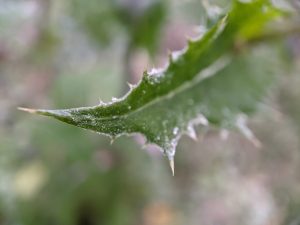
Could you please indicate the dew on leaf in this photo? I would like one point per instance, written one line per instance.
(155, 75)
(113, 99)
(155, 71)
(177, 54)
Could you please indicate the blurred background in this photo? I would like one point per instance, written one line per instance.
(70, 53)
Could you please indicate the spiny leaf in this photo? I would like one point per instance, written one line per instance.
(211, 81)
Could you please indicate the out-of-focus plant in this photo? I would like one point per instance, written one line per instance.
(141, 20)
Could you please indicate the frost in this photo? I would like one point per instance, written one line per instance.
(154, 76)
(114, 99)
(177, 54)
(131, 86)
(156, 72)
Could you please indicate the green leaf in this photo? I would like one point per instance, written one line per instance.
(212, 81)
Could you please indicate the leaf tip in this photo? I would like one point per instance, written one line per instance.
(191, 132)
(171, 161)
(241, 124)
(33, 111)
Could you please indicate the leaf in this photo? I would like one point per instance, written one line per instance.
(212, 81)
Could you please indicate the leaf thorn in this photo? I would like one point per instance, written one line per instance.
(112, 139)
(27, 110)
(171, 161)
(241, 124)
(101, 102)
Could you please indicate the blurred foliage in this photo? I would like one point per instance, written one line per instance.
(142, 20)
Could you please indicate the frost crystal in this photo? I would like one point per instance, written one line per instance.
(176, 54)
(113, 99)
(155, 71)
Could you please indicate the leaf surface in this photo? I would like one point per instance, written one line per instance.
(211, 81)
